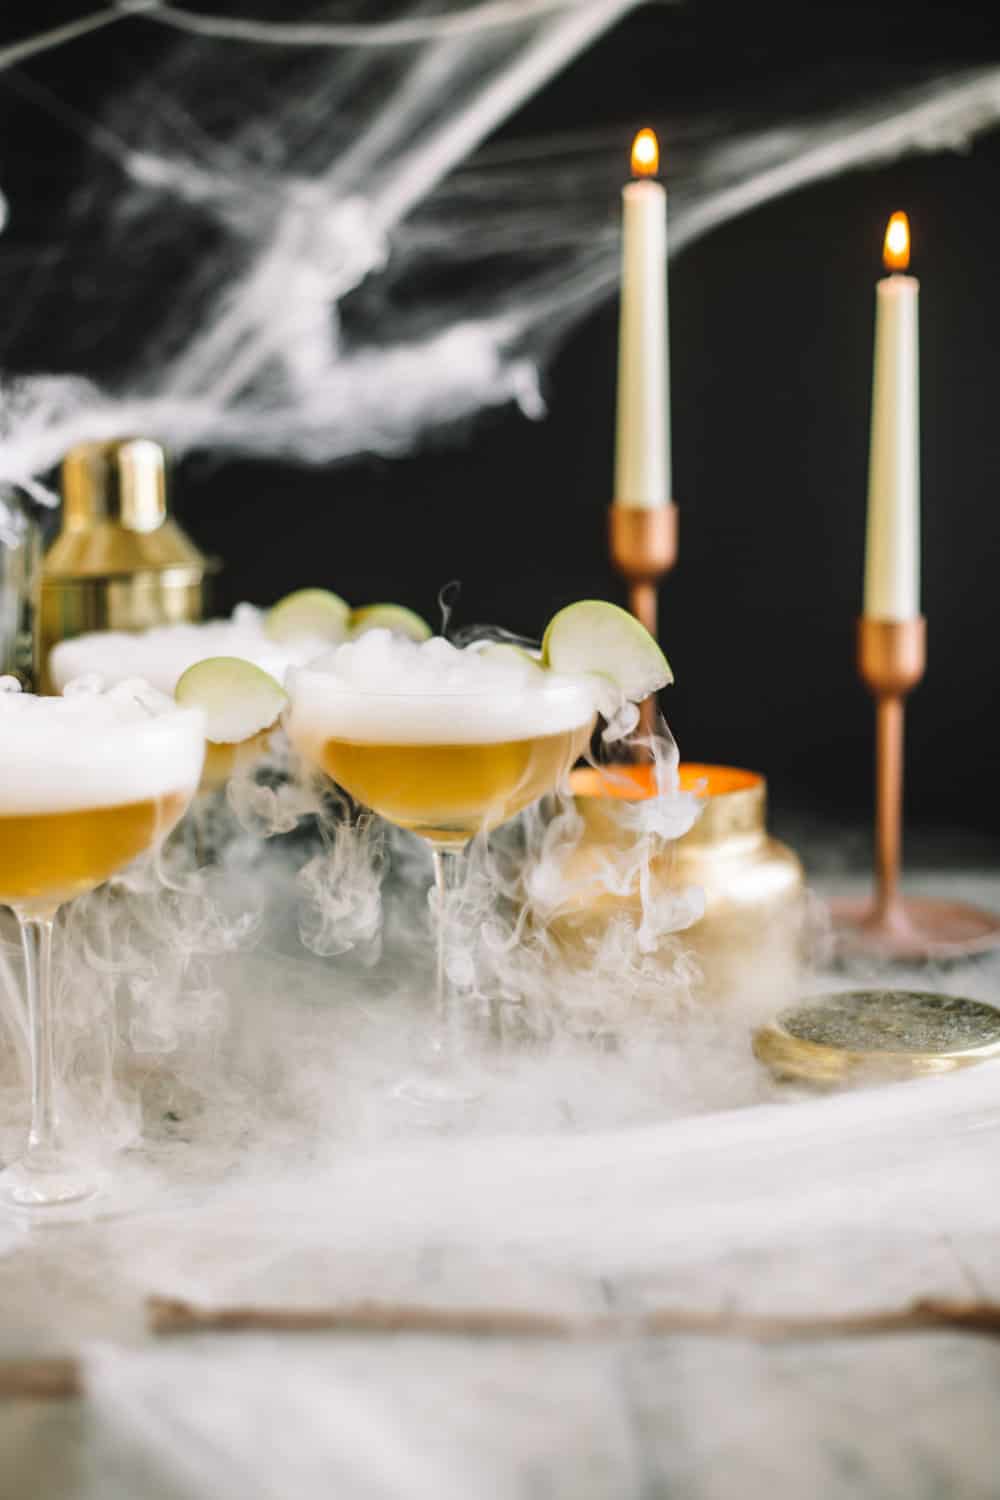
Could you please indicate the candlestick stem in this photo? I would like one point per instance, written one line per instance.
(643, 542)
(891, 660)
(889, 741)
(643, 603)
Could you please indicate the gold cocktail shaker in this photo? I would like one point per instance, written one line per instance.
(119, 562)
(20, 555)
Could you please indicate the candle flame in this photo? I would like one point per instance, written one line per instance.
(645, 154)
(896, 252)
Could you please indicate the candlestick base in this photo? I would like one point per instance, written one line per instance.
(914, 930)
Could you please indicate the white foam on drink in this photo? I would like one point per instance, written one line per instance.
(96, 749)
(392, 691)
(163, 654)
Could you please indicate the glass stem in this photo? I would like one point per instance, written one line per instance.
(445, 863)
(36, 940)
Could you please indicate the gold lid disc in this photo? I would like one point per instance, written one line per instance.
(861, 1034)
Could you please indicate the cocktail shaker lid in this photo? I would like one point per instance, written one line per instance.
(114, 518)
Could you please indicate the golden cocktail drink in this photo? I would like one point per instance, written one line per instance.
(449, 792)
(446, 764)
(87, 783)
(47, 858)
(444, 742)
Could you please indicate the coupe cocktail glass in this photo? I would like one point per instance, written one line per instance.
(87, 783)
(445, 764)
(163, 653)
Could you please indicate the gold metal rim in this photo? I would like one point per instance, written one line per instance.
(733, 800)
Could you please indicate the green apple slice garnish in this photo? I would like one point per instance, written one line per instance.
(595, 637)
(309, 614)
(394, 617)
(237, 698)
(506, 651)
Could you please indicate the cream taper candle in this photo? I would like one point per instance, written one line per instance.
(892, 554)
(642, 452)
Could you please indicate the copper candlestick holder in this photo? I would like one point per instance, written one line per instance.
(892, 656)
(643, 549)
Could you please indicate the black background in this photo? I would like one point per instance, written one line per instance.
(771, 334)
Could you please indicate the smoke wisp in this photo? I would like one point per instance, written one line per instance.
(368, 267)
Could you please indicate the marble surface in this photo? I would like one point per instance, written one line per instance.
(762, 1200)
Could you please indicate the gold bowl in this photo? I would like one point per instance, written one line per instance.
(753, 885)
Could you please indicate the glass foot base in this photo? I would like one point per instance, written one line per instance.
(437, 1099)
(426, 1089)
(44, 1180)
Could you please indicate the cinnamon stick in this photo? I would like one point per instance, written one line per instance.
(925, 1314)
(166, 1315)
(173, 1316)
(56, 1378)
(52, 1379)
